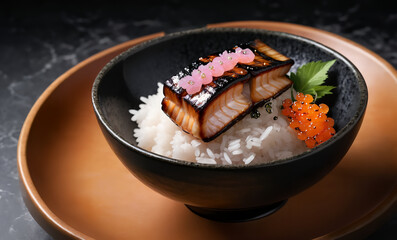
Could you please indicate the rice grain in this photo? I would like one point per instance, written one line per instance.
(264, 140)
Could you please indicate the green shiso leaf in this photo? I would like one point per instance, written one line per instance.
(323, 90)
(310, 77)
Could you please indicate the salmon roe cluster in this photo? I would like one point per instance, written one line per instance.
(309, 120)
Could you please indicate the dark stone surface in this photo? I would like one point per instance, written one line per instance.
(40, 41)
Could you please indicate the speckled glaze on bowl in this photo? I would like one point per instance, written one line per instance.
(223, 193)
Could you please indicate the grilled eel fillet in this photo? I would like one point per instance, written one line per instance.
(228, 98)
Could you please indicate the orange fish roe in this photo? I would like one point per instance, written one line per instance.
(309, 120)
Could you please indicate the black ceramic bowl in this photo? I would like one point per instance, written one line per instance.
(224, 193)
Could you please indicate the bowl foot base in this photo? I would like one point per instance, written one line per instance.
(236, 215)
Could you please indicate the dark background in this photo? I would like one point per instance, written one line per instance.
(39, 41)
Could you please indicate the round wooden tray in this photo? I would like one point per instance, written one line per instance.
(75, 187)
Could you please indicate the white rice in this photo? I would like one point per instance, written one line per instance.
(265, 140)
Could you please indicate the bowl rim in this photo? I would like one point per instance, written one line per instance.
(363, 90)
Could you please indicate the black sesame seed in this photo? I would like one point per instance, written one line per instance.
(255, 114)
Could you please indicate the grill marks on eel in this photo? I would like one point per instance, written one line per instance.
(230, 97)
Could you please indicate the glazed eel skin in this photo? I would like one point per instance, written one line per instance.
(228, 98)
